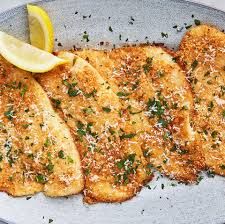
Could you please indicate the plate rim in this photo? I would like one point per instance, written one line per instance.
(190, 2)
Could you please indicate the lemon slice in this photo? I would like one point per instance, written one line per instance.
(41, 29)
(26, 56)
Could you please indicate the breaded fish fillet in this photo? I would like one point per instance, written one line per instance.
(153, 87)
(113, 162)
(202, 50)
(37, 152)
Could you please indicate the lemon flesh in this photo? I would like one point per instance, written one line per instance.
(41, 28)
(26, 56)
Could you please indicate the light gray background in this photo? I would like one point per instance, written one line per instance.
(7, 4)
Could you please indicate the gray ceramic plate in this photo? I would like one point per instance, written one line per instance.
(203, 203)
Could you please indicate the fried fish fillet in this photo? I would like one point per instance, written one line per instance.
(113, 162)
(153, 87)
(37, 152)
(202, 50)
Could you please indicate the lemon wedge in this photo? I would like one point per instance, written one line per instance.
(26, 56)
(41, 29)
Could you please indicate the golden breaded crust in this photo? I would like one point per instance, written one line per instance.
(37, 152)
(114, 166)
(203, 51)
(154, 91)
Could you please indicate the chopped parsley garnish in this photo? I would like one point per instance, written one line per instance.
(165, 161)
(106, 109)
(210, 173)
(50, 167)
(130, 158)
(160, 73)
(42, 125)
(47, 142)
(86, 37)
(72, 91)
(40, 178)
(146, 153)
(197, 22)
(174, 148)
(126, 167)
(70, 160)
(66, 83)
(194, 65)
(174, 105)
(82, 130)
(125, 136)
(88, 110)
(222, 89)
(132, 20)
(135, 85)
(183, 151)
(185, 107)
(210, 106)
(30, 155)
(49, 155)
(89, 131)
(24, 90)
(167, 135)
(133, 112)
(1, 157)
(61, 154)
(87, 172)
(223, 113)
(91, 94)
(179, 150)
(110, 29)
(162, 122)
(188, 27)
(164, 35)
(200, 178)
(112, 132)
(56, 103)
(148, 65)
(214, 134)
(122, 94)
(9, 113)
(155, 107)
(222, 167)
(25, 126)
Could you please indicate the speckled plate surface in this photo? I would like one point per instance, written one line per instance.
(131, 21)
